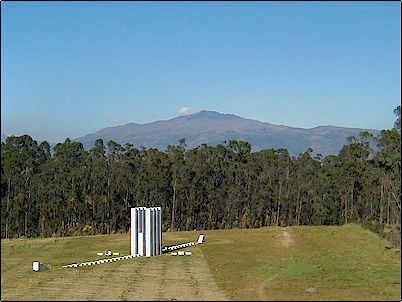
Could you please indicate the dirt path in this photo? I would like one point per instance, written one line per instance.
(177, 278)
(287, 239)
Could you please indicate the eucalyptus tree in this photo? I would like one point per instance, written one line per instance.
(397, 112)
(206, 187)
(179, 183)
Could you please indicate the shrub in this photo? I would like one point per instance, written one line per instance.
(88, 230)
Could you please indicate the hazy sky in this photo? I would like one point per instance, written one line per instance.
(69, 69)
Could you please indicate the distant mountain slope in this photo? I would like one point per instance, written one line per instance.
(214, 128)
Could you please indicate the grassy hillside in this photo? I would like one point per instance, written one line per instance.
(346, 263)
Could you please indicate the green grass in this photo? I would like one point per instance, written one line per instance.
(344, 263)
(285, 269)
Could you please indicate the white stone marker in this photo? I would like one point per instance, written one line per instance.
(35, 266)
(200, 239)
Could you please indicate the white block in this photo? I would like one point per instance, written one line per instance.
(35, 266)
(116, 254)
(200, 239)
(188, 253)
(180, 253)
(173, 253)
(99, 254)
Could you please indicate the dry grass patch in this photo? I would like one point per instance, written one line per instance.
(343, 263)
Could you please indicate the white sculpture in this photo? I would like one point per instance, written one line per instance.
(146, 231)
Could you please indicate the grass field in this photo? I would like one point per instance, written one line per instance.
(343, 263)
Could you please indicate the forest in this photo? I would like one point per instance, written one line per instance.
(73, 191)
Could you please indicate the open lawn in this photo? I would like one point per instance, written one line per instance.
(275, 263)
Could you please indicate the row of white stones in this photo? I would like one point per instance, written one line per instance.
(165, 249)
(176, 247)
(181, 253)
(108, 253)
(100, 261)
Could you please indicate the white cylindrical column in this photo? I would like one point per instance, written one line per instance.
(157, 231)
(134, 231)
(148, 251)
(154, 232)
(140, 231)
(140, 220)
(160, 230)
(141, 244)
(143, 209)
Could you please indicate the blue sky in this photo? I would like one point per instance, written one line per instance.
(69, 69)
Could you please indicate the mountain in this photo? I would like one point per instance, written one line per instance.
(214, 128)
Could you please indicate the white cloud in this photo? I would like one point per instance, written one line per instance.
(187, 111)
(115, 120)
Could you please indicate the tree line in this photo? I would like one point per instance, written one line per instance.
(76, 191)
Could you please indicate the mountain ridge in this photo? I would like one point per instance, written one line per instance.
(212, 128)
